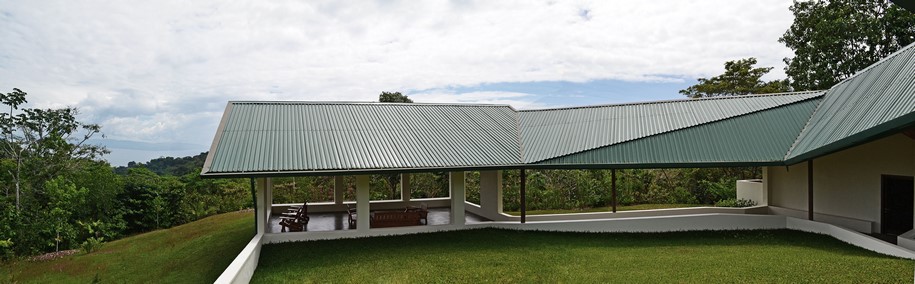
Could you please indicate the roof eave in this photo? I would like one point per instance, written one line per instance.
(213, 146)
(880, 131)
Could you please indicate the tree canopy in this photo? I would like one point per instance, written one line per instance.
(739, 78)
(393, 97)
(833, 40)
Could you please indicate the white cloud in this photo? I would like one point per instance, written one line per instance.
(161, 71)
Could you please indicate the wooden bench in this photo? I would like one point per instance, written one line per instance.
(411, 216)
(384, 219)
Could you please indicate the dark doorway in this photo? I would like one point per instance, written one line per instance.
(897, 201)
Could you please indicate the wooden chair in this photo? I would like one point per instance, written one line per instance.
(422, 210)
(298, 222)
(351, 213)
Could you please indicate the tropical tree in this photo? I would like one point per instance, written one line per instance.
(834, 39)
(393, 97)
(739, 78)
(39, 144)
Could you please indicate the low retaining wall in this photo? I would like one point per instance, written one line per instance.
(849, 236)
(907, 240)
(475, 209)
(698, 222)
(863, 226)
(242, 268)
(350, 234)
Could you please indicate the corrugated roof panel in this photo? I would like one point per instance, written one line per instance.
(298, 136)
(553, 133)
(877, 100)
(759, 137)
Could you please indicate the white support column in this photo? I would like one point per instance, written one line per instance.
(405, 188)
(765, 185)
(362, 203)
(491, 193)
(457, 197)
(268, 199)
(268, 202)
(339, 189)
(260, 190)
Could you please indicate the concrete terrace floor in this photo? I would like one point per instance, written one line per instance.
(338, 221)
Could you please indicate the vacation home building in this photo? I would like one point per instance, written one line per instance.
(838, 161)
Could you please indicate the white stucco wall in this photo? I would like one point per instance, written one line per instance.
(846, 183)
(751, 190)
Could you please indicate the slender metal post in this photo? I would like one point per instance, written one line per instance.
(254, 202)
(613, 187)
(810, 189)
(523, 196)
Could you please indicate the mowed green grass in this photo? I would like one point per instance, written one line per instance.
(196, 252)
(607, 209)
(506, 256)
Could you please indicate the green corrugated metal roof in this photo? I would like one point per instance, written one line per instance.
(272, 138)
(876, 101)
(552, 133)
(305, 136)
(757, 138)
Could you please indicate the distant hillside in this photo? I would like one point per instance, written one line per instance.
(169, 165)
(195, 252)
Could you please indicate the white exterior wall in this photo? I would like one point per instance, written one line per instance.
(490, 194)
(846, 184)
(751, 190)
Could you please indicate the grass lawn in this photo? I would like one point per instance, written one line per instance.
(491, 255)
(196, 252)
(606, 209)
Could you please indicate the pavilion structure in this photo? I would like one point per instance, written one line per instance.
(859, 135)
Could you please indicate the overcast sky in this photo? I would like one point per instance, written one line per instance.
(157, 74)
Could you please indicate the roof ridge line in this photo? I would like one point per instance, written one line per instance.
(678, 100)
(681, 128)
(368, 103)
(799, 134)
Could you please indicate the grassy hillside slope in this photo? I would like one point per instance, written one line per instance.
(196, 252)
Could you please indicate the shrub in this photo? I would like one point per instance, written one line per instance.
(92, 244)
(722, 189)
(734, 202)
(6, 249)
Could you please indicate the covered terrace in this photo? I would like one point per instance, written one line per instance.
(265, 140)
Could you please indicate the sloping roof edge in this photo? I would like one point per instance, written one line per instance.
(216, 138)
(776, 161)
(801, 150)
(871, 134)
(814, 95)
